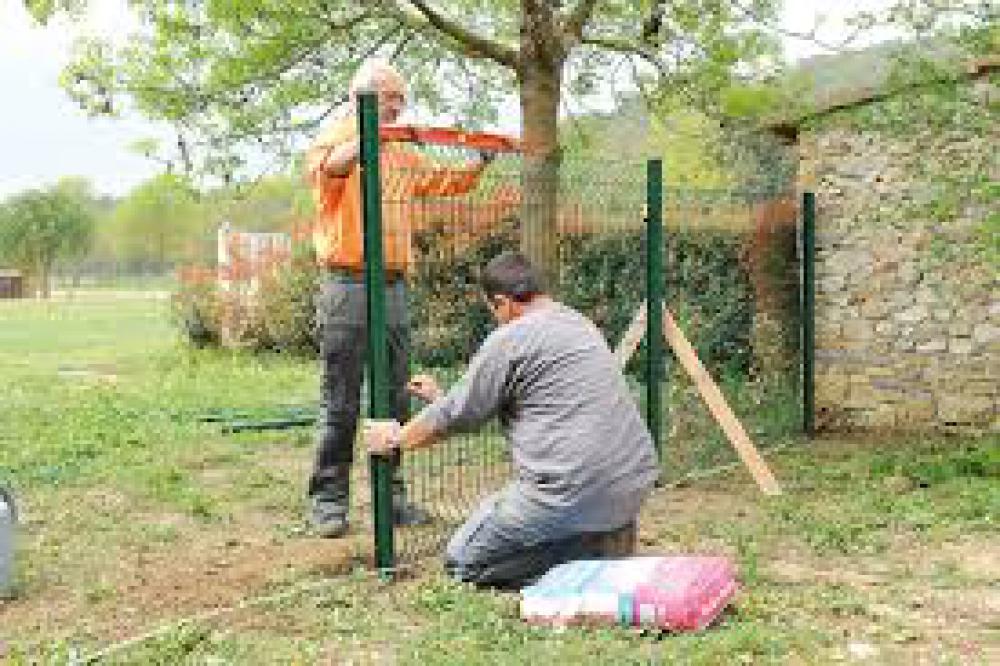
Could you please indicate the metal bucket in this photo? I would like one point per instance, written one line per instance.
(8, 523)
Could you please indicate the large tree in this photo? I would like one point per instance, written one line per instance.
(40, 227)
(243, 77)
(236, 78)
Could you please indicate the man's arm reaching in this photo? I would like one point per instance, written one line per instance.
(467, 405)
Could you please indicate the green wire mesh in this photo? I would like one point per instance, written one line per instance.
(732, 283)
(730, 279)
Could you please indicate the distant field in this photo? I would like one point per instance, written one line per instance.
(104, 385)
(116, 282)
(37, 335)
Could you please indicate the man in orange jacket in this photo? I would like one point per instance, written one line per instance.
(333, 171)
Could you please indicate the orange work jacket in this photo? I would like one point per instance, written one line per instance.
(338, 234)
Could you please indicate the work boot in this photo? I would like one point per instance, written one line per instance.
(405, 512)
(330, 505)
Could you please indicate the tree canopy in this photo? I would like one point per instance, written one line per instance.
(40, 227)
(239, 80)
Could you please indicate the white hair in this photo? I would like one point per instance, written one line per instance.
(377, 74)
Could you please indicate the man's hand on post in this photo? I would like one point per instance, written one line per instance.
(424, 387)
(382, 437)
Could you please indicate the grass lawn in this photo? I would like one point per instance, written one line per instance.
(139, 518)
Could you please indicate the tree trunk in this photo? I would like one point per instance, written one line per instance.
(540, 83)
(44, 288)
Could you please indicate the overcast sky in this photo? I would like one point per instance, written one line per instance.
(45, 136)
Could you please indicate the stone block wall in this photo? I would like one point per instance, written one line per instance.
(908, 288)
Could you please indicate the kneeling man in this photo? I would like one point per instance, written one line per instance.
(583, 458)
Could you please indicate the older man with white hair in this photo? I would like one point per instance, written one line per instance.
(333, 171)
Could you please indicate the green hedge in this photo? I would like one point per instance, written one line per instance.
(603, 275)
(280, 317)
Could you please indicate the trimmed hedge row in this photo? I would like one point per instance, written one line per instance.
(707, 283)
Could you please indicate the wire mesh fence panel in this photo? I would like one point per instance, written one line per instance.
(444, 213)
(730, 278)
(732, 284)
(447, 210)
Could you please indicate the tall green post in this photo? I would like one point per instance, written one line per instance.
(380, 396)
(808, 312)
(654, 301)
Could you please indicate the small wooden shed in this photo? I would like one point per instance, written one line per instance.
(11, 284)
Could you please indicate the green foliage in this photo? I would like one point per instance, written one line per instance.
(167, 222)
(288, 307)
(279, 316)
(41, 227)
(238, 79)
(689, 142)
(698, 150)
(449, 318)
(988, 239)
(708, 284)
(273, 203)
(754, 100)
(157, 224)
(603, 276)
(43, 10)
(799, 599)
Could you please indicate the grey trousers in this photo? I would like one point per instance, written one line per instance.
(341, 311)
(493, 550)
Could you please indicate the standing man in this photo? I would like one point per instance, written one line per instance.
(583, 458)
(338, 237)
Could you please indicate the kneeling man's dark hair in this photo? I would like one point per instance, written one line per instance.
(511, 274)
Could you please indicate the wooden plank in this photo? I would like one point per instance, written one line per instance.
(718, 406)
(632, 337)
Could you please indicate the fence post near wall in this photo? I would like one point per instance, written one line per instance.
(808, 312)
(380, 398)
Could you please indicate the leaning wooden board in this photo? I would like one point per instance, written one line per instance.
(708, 389)
(633, 336)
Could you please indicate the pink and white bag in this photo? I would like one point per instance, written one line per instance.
(680, 593)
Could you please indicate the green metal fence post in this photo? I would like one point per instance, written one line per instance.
(380, 400)
(808, 312)
(654, 301)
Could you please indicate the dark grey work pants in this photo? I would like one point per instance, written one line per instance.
(341, 315)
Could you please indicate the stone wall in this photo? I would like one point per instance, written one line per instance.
(907, 293)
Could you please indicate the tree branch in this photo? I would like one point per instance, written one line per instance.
(576, 20)
(653, 23)
(749, 14)
(477, 44)
(348, 23)
(630, 48)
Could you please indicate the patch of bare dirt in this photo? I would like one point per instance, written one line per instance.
(137, 589)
